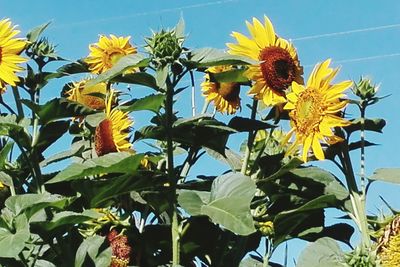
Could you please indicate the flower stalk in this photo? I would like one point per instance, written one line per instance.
(250, 139)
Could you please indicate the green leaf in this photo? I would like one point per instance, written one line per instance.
(67, 218)
(228, 203)
(90, 246)
(390, 175)
(235, 75)
(121, 162)
(58, 108)
(192, 200)
(125, 63)
(207, 57)
(180, 28)
(241, 124)
(34, 34)
(9, 126)
(357, 145)
(161, 77)
(4, 153)
(375, 125)
(229, 157)
(72, 68)
(6, 179)
(12, 243)
(49, 133)
(141, 78)
(323, 252)
(74, 151)
(98, 192)
(31, 203)
(95, 119)
(151, 102)
(292, 164)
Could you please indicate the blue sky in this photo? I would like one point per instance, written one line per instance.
(365, 40)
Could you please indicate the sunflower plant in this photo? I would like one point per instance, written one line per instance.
(81, 186)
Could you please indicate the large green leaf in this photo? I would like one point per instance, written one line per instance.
(228, 203)
(323, 252)
(150, 102)
(49, 133)
(235, 75)
(90, 246)
(125, 63)
(390, 175)
(121, 162)
(141, 78)
(375, 125)
(206, 57)
(68, 218)
(12, 243)
(58, 108)
(31, 203)
(98, 192)
(17, 130)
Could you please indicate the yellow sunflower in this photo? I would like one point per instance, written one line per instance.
(112, 134)
(82, 94)
(225, 95)
(279, 65)
(314, 110)
(10, 50)
(389, 244)
(104, 54)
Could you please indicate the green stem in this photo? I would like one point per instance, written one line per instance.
(193, 94)
(250, 139)
(357, 199)
(171, 174)
(17, 98)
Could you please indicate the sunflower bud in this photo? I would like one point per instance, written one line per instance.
(164, 46)
(362, 257)
(42, 48)
(365, 89)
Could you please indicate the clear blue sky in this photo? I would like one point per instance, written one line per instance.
(374, 51)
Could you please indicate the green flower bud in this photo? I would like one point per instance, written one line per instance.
(164, 46)
(365, 89)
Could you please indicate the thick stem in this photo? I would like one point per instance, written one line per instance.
(17, 98)
(250, 139)
(171, 174)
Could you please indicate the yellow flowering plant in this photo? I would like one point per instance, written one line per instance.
(115, 195)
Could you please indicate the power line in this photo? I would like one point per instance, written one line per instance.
(351, 60)
(317, 36)
(155, 12)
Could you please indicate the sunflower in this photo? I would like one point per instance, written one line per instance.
(314, 110)
(112, 134)
(225, 95)
(10, 50)
(279, 65)
(104, 54)
(389, 244)
(82, 94)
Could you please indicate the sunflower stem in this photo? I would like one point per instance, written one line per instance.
(363, 107)
(17, 99)
(171, 172)
(193, 93)
(250, 139)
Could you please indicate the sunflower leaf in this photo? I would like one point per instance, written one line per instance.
(323, 252)
(390, 175)
(126, 62)
(241, 124)
(73, 68)
(151, 102)
(17, 130)
(375, 125)
(235, 75)
(34, 34)
(141, 78)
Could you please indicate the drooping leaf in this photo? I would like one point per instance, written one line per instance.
(323, 252)
(141, 78)
(49, 133)
(390, 175)
(241, 124)
(207, 57)
(235, 75)
(151, 102)
(125, 63)
(58, 108)
(375, 125)
(17, 130)
(90, 246)
(72, 68)
(121, 162)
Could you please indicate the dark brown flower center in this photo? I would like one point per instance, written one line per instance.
(103, 139)
(229, 91)
(278, 68)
